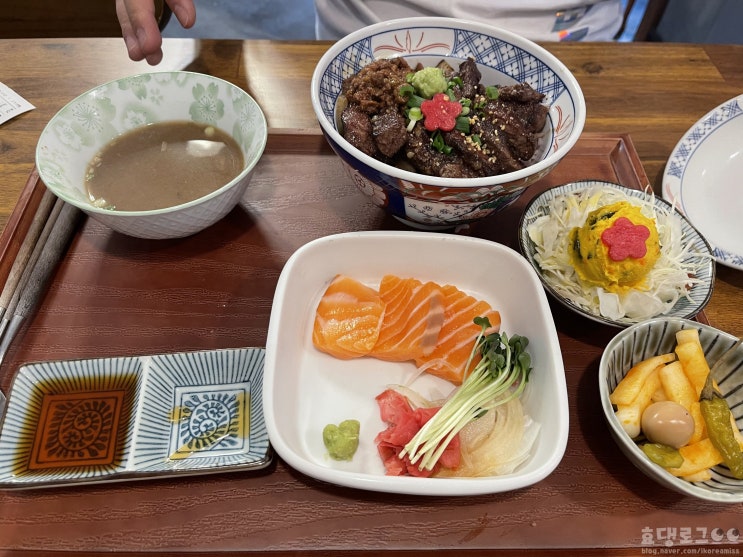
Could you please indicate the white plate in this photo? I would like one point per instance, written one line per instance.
(110, 419)
(305, 389)
(699, 254)
(703, 179)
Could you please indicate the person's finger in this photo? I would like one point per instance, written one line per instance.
(139, 29)
(184, 11)
(127, 32)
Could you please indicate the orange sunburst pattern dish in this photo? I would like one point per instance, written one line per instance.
(76, 421)
(77, 429)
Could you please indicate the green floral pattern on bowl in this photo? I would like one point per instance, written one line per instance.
(80, 129)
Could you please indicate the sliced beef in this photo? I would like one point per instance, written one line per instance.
(527, 105)
(521, 92)
(538, 118)
(497, 146)
(357, 129)
(521, 115)
(472, 154)
(457, 168)
(517, 123)
(388, 129)
(428, 160)
(445, 67)
(470, 75)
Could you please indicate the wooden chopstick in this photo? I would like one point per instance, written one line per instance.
(31, 262)
(25, 291)
(27, 247)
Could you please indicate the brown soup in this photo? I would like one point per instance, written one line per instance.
(162, 165)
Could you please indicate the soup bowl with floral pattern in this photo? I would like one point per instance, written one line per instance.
(78, 132)
(503, 58)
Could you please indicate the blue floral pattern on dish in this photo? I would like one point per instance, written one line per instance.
(502, 60)
(191, 412)
(488, 51)
(211, 421)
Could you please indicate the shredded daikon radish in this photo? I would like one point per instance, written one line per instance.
(668, 281)
(496, 443)
(492, 445)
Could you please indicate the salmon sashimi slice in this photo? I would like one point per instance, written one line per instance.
(414, 314)
(348, 319)
(458, 333)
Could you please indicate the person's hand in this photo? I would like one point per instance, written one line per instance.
(139, 26)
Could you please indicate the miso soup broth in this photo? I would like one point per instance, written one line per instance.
(162, 165)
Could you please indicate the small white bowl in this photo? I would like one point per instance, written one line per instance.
(85, 125)
(429, 202)
(658, 336)
(305, 389)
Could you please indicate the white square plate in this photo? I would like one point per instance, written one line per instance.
(305, 389)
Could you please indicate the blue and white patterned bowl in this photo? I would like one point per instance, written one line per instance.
(86, 124)
(503, 58)
(658, 336)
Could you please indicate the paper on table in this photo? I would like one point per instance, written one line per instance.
(12, 104)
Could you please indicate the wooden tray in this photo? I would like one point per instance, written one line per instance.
(118, 296)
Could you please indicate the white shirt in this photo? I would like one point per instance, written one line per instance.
(538, 20)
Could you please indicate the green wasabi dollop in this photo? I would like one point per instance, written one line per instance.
(429, 81)
(341, 440)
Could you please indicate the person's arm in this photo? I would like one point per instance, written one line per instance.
(139, 26)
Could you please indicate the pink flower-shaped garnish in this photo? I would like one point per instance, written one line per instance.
(440, 113)
(625, 239)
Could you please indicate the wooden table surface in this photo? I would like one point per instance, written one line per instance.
(649, 92)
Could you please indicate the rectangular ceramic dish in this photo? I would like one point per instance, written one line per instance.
(134, 418)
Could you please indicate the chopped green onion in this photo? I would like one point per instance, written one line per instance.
(406, 90)
(414, 114)
(456, 80)
(415, 100)
(492, 92)
(438, 143)
(476, 139)
(462, 124)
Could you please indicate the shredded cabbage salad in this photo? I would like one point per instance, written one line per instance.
(669, 280)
